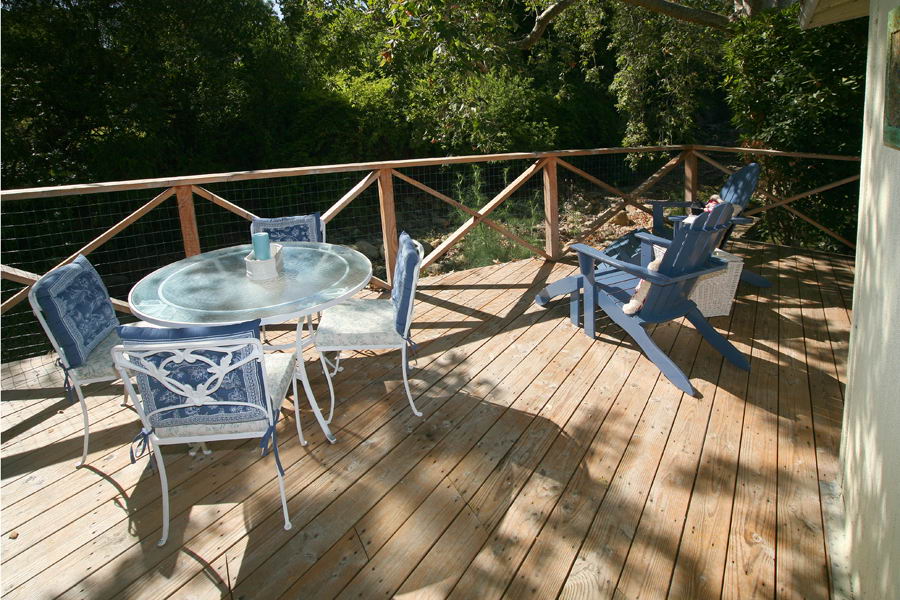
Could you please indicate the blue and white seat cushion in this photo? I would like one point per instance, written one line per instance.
(76, 306)
(279, 374)
(98, 364)
(303, 228)
(359, 323)
(243, 384)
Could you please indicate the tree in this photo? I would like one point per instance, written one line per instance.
(100, 90)
(799, 90)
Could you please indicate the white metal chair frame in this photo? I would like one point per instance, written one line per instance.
(186, 352)
(69, 373)
(403, 347)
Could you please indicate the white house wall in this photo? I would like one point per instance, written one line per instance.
(871, 443)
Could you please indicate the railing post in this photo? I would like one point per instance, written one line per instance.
(188, 219)
(551, 210)
(388, 220)
(691, 176)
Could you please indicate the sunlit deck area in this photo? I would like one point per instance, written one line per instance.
(546, 464)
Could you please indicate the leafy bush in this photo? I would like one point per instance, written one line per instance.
(379, 125)
(497, 111)
(800, 90)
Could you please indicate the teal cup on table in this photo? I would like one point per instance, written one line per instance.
(261, 248)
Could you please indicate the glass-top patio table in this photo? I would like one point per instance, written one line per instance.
(213, 289)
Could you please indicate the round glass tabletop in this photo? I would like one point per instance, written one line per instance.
(212, 288)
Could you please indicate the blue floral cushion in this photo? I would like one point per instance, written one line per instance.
(305, 228)
(408, 261)
(76, 307)
(244, 384)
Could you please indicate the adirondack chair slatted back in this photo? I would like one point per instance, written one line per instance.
(741, 185)
(690, 251)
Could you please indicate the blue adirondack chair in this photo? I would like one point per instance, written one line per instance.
(737, 190)
(688, 256)
(628, 248)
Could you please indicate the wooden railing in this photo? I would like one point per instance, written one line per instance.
(186, 189)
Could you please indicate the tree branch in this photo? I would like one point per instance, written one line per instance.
(541, 23)
(684, 13)
(671, 9)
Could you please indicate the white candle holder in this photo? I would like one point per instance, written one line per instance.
(262, 270)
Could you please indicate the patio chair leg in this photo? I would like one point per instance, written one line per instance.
(301, 372)
(716, 340)
(659, 358)
(164, 483)
(87, 427)
(405, 365)
(590, 311)
(284, 508)
(324, 363)
(755, 279)
(303, 441)
(575, 307)
(637, 332)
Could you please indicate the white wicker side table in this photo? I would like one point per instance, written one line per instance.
(714, 293)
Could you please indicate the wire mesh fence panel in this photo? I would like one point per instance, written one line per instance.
(473, 185)
(39, 234)
(581, 201)
(786, 176)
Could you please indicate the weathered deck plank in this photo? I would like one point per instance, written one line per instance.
(547, 464)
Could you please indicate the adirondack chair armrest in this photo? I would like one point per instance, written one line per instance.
(666, 203)
(678, 219)
(632, 269)
(653, 239)
(659, 217)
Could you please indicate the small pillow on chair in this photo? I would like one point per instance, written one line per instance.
(303, 228)
(404, 279)
(243, 384)
(77, 308)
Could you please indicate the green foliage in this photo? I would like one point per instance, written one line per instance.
(379, 124)
(800, 90)
(100, 90)
(667, 72)
(499, 111)
(796, 89)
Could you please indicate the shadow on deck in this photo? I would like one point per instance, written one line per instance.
(547, 464)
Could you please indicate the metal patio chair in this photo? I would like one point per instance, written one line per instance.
(202, 384)
(375, 324)
(73, 306)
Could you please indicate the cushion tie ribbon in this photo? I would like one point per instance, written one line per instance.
(413, 347)
(264, 443)
(67, 382)
(143, 441)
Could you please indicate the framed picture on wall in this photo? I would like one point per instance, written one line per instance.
(892, 82)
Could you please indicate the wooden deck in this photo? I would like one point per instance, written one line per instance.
(546, 464)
